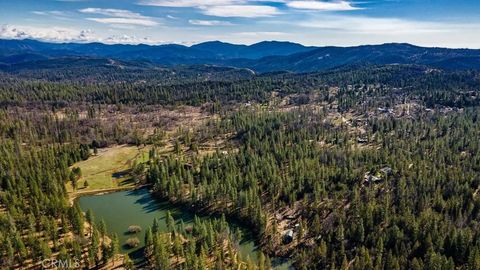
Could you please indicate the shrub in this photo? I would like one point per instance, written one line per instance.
(134, 229)
(132, 242)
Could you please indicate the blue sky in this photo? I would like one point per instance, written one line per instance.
(444, 23)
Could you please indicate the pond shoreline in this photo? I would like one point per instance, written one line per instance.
(75, 195)
(140, 207)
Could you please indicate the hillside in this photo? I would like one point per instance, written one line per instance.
(262, 57)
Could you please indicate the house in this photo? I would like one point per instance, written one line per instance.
(290, 217)
(382, 109)
(288, 237)
(385, 110)
(372, 178)
(362, 140)
(386, 171)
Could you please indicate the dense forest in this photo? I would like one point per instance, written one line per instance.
(369, 167)
(431, 86)
(204, 245)
(420, 213)
(36, 221)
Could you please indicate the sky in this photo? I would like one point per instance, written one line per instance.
(433, 23)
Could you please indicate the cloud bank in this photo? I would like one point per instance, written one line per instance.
(252, 8)
(243, 11)
(209, 22)
(322, 5)
(61, 34)
(119, 17)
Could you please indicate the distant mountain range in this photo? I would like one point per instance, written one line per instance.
(268, 56)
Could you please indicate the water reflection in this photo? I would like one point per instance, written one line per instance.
(138, 207)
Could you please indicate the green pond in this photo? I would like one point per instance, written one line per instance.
(138, 207)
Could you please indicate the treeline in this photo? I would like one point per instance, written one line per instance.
(36, 221)
(98, 70)
(60, 94)
(93, 126)
(207, 244)
(421, 214)
(421, 211)
(413, 83)
(430, 87)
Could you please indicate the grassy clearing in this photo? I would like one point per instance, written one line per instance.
(109, 168)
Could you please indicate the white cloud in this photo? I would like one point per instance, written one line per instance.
(61, 34)
(126, 21)
(119, 17)
(49, 13)
(322, 5)
(126, 39)
(55, 14)
(262, 35)
(215, 7)
(189, 3)
(369, 25)
(58, 34)
(222, 8)
(343, 30)
(245, 11)
(112, 12)
(209, 22)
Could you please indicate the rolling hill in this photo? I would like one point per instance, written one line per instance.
(267, 56)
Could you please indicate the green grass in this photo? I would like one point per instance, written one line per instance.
(109, 169)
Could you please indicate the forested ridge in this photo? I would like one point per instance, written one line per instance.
(204, 245)
(367, 167)
(266, 56)
(196, 87)
(36, 221)
(421, 216)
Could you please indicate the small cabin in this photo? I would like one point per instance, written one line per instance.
(362, 140)
(386, 170)
(288, 237)
(385, 110)
(372, 178)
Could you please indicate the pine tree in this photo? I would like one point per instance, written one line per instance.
(114, 248)
(102, 228)
(261, 261)
(45, 250)
(148, 242)
(155, 226)
(128, 263)
(344, 263)
(170, 221)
